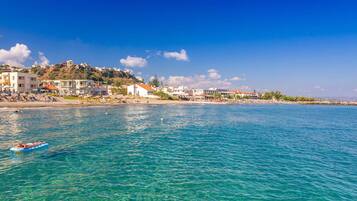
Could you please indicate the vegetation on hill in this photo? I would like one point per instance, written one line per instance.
(65, 72)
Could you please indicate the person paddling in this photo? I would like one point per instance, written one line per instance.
(28, 145)
(24, 147)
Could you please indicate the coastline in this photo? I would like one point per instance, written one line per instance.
(69, 104)
(76, 103)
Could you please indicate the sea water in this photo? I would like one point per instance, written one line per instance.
(181, 152)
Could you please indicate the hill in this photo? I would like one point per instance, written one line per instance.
(68, 70)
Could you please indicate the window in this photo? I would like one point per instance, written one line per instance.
(21, 85)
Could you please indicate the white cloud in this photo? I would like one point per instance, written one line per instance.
(198, 81)
(236, 78)
(16, 56)
(179, 56)
(152, 53)
(179, 80)
(213, 73)
(134, 61)
(317, 87)
(43, 61)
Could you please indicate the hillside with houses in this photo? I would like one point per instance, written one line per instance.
(70, 71)
(66, 78)
(83, 80)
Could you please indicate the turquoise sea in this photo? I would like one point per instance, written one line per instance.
(181, 152)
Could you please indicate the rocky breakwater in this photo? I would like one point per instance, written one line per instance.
(25, 97)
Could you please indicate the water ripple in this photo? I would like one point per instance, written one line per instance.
(181, 153)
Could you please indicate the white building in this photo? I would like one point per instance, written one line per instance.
(167, 90)
(69, 62)
(180, 91)
(142, 90)
(18, 82)
(100, 89)
(212, 91)
(245, 94)
(71, 87)
(198, 92)
(177, 91)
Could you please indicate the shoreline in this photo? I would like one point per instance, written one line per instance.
(69, 104)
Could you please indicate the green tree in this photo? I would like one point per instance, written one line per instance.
(277, 95)
(163, 95)
(217, 95)
(155, 82)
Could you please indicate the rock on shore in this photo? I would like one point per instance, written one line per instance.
(24, 97)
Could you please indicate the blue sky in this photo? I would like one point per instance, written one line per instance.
(298, 47)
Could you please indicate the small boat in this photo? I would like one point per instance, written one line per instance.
(28, 146)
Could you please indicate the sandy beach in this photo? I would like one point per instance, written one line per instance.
(134, 101)
(68, 103)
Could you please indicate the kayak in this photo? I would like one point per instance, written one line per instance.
(29, 147)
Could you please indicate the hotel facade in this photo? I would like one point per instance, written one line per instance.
(75, 87)
(70, 87)
(18, 82)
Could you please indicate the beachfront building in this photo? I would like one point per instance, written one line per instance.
(142, 90)
(70, 87)
(197, 94)
(176, 91)
(212, 91)
(117, 90)
(180, 91)
(18, 82)
(245, 94)
(167, 89)
(100, 89)
(110, 90)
